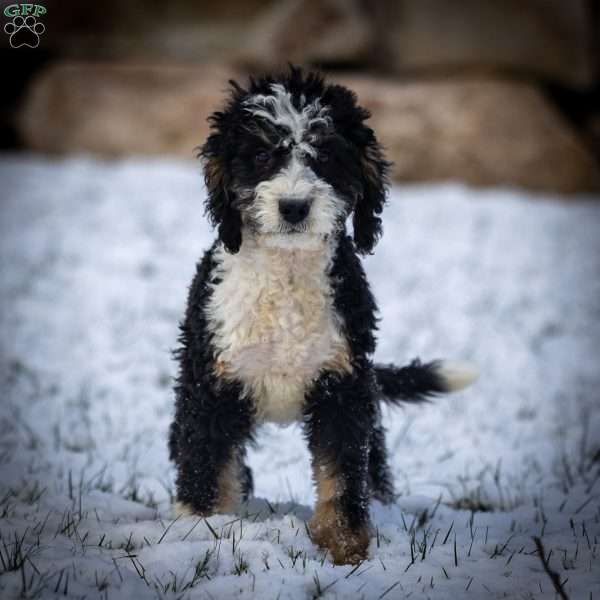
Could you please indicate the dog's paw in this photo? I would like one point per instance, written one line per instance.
(181, 509)
(329, 531)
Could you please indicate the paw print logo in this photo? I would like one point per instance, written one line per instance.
(24, 31)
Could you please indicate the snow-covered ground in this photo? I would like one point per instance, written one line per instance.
(96, 259)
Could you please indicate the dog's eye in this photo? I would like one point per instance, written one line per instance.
(323, 155)
(262, 157)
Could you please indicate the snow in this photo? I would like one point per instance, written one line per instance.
(96, 260)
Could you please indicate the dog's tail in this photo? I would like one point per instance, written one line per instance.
(417, 382)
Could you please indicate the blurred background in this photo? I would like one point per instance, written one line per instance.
(102, 106)
(499, 92)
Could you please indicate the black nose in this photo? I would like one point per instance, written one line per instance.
(294, 211)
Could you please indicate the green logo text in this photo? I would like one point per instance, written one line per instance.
(22, 10)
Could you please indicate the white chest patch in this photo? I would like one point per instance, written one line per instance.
(274, 324)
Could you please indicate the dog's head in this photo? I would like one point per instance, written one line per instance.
(289, 159)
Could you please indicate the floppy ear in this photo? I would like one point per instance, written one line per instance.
(220, 205)
(374, 175)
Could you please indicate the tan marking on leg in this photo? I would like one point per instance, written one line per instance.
(229, 492)
(328, 527)
(229, 486)
(182, 509)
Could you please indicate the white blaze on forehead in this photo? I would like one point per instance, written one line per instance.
(279, 109)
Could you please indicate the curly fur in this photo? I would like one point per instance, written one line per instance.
(280, 322)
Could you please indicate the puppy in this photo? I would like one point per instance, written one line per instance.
(280, 322)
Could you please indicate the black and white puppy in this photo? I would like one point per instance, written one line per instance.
(280, 322)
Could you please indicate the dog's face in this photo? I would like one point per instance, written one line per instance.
(289, 160)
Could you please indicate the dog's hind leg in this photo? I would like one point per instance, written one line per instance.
(339, 417)
(380, 476)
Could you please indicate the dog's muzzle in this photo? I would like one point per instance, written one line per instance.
(293, 210)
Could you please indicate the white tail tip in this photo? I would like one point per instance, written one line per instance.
(457, 375)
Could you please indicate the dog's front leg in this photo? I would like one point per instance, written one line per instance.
(339, 417)
(207, 445)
